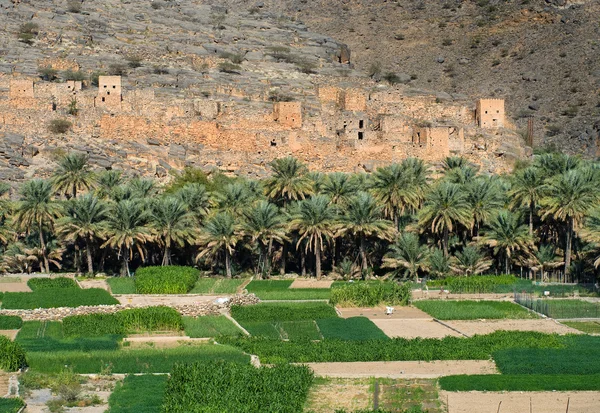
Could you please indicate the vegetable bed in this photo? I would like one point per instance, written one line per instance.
(210, 326)
(280, 290)
(138, 394)
(48, 336)
(537, 382)
(165, 280)
(282, 312)
(57, 297)
(473, 310)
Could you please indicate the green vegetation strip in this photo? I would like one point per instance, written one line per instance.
(589, 327)
(371, 294)
(530, 382)
(282, 312)
(354, 328)
(216, 286)
(210, 326)
(478, 347)
(57, 297)
(473, 310)
(48, 336)
(165, 280)
(118, 285)
(44, 283)
(480, 284)
(131, 361)
(138, 394)
(564, 308)
(230, 387)
(10, 322)
(280, 290)
(12, 405)
(12, 355)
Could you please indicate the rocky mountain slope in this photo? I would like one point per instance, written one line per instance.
(542, 56)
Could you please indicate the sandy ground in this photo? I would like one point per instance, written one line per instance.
(378, 313)
(9, 333)
(472, 327)
(519, 402)
(4, 377)
(300, 283)
(414, 328)
(20, 287)
(162, 341)
(347, 394)
(94, 284)
(404, 369)
(435, 295)
(153, 300)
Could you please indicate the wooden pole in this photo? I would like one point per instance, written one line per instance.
(499, 404)
(568, 402)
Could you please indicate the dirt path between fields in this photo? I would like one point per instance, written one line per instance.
(168, 300)
(414, 328)
(473, 327)
(404, 369)
(378, 313)
(94, 284)
(519, 402)
(306, 283)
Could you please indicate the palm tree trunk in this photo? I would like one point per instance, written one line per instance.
(228, 263)
(506, 263)
(568, 246)
(262, 265)
(445, 241)
(363, 252)
(531, 209)
(303, 262)
(167, 254)
(318, 260)
(77, 258)
(88, 251)
(283, 258)
(43, 247)
(334, 258)
(125, 264)
(268, 259)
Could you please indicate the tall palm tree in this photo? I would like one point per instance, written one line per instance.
(507, 236)
(446, 206)
(470, 261)
(125, 229)
(544, 259)
(570, 197)
(315, 222)
(36, 211)
(551, 164)
(142, 188)
(73, 173)
(172, 223)
(363, 219)
(407, 254)
(454, 162)
(527, 190)
(234, 199)
(196, 199)
(219, 233)
(106, 182)
(591, 231)
(339, 187)
(485, 198)
(461, 175)
(264, 224)
(439, 264)
(83, 220)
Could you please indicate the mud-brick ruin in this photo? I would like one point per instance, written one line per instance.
(339, 126)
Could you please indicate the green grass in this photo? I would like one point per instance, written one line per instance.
(170, 279)
(57, 297)
(371, 294)
(210, 326)
(589, 327)
(121, 285)
(47, 336)
(564, 309)
(264, 329)
(354, 328)
(131, 361)
(43, 283)
(10, 322)
(138, 394)
(280, 290)
(537, 382)
(299, 330)
(216, 286)
(473, 310)
(282, 312)
(12, 405)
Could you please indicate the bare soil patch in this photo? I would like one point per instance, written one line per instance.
(472, 327)
(9, 333)
(404, 369)
(18, 287)
(519, 402)
(94, 284)
(378, 313)
(414, 328)
(435, 295)
(168, 300)
(301, 283)
(142, 341)
(339, 393)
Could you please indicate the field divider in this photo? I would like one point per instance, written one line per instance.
(234, 321)
(541, 315)
(244, 285)
(451, 328)
(318, 300)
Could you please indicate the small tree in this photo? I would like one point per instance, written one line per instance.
(73, 111)
(59, 126)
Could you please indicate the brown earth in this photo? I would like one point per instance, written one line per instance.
(300, 283)
(378, 313)
(9, 333)
(340, 393)
(140, 341)
(414, 328)
(94, 284)
(20, 287)
(489, 326)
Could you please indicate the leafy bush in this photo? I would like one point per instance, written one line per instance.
(478, 347)
(210, 326)
(43, 283)
(165, 280)
(57, 297)
(282, 312)
(138, 394)
(10, 322)
(228, 387)
(371, 294)
(530, 382)
(40, 336)
(12, 405)
(473, 310)
(123, 322)
(354, 328)
(59, 126)
(478, 283)
(12, 355)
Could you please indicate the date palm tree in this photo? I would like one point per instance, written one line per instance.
(439, 264)
(339, 187)
(527, 190)
(126, 229)
(82, 220)
(314, 220)
(591, 231)
(264, 224)
(470, 261)
(446, 206)
(407, 255)
(508, 237)
(172, 223)
(106, 182)
(485, 198)
(73, 173)
(363, 219)
(37, 211)
(196, 199)
(219, 234)
(234, 199)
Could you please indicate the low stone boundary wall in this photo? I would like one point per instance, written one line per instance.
(191, 310)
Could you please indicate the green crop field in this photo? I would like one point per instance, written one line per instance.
(280, 290)
(282, 312)
(48, 336)
(138, 394)
(57, 297)
(355, 328)
(589, 327)
(44, 283)
(564, 309)
(171, 279)
(473, 310)
(216, 286)
(121, 285)
(10, 322)
(530, 382)
(12, 405)
(210, 326)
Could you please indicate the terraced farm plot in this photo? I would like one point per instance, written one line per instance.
(57, 297)
(280, 290)
(473, 310)
(216, 286)
(137, 394)
(210, 326)
(121, 285)
(588, 327)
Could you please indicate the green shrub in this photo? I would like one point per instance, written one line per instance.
(371, 294)
(530, 382)
(478, 347)
(92, 325)
(43, 283)
(354, 328)
(12, 355)
(165, 280)
(10, 322)
(137, 394)
(57, 297)
(228, 387)
(59, 126)
(12, 405)
(473, 310)
(282, 312)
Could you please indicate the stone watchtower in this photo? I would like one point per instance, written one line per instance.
(490, 113)
(109, 92)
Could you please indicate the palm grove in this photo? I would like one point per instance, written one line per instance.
(406, 220)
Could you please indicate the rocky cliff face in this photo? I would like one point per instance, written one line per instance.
(148, 87)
